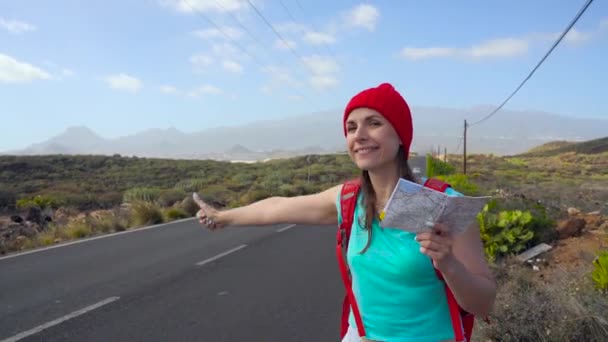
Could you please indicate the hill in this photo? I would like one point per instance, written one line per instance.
(558, 147)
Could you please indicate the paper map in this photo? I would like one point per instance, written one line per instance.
(414, 208)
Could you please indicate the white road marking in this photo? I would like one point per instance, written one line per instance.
(221, 255)
(132, 230)
(59, 320)
(280, 230)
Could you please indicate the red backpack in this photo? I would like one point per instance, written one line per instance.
(348, 200)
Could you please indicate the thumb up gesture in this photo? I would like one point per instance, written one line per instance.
(207, 215)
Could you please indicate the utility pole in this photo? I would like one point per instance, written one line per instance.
(445, 154)
(464, 159)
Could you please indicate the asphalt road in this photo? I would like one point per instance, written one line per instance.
(177, 282)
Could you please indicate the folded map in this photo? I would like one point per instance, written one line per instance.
(415, 208)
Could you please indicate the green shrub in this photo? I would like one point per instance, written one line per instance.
(175, 214)
(141, 194)
(190, 185)
(436, 167)
(146, 213)
(600, 272)
(169, 197)
(109, 222)
(504, 232)
(189, 206)
(77, 230)
(39, 201)
(460, 183)
(7, 199)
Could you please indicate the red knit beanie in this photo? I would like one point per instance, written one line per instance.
(388, 102)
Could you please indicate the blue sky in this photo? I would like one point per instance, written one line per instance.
(120, 67)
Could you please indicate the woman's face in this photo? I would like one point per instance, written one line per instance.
(371, 140)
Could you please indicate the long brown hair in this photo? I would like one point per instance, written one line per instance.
(369, 195)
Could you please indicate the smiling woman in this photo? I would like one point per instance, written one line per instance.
(398, 290)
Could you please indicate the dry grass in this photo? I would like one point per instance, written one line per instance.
(530, 307)
(146, 213)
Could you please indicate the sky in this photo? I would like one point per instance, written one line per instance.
(120, 67)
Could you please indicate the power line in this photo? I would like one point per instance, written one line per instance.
(293, 20)
(268, 48)
(255, 60)
(330, 50)
(459, 143)
(580, 13)
(298, 57)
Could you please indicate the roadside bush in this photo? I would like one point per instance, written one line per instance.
(504, 232)
(169, 197)
(172, 214)
(146, 213)
(460, 183)
(600, 271)
(436, 167)
(141, 194)
(39, 201)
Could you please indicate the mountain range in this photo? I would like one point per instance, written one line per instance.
(508, 132)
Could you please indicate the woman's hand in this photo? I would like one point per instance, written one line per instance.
(437, 244)
(207, 215)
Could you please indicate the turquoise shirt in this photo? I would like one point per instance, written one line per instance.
(399, 295)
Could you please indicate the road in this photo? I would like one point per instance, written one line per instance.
(418, 165)
(177, 282)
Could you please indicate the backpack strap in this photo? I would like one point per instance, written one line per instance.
(460, 319)
(437, 184)
(348, 202)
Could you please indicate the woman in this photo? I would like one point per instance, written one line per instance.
(397, 290)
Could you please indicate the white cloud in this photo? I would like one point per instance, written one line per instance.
(505, 47)
(67, 72)
(279, 74)
(363, 16)
(422, 53)
(323, 69)
(321, 65)
(280, 77)
(201, 61)
(14, 71)
(206, 89)
(285, 45)
(124, 82)
(192, 6)
(226, 50)
(16, 26)
(211, 33)
(575, 36)
(319, 38)
(167, 89)
(323, 81)
(266, 89)
(232, 66)
(295, 98)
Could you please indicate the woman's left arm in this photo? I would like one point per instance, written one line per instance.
(462, 262)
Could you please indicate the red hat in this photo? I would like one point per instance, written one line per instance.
(388, 102)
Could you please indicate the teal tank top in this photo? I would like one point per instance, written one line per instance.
(399, 295)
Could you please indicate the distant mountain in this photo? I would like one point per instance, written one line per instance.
(77, 139)
(507, 132)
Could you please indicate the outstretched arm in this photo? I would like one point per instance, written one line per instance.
(319, 208)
